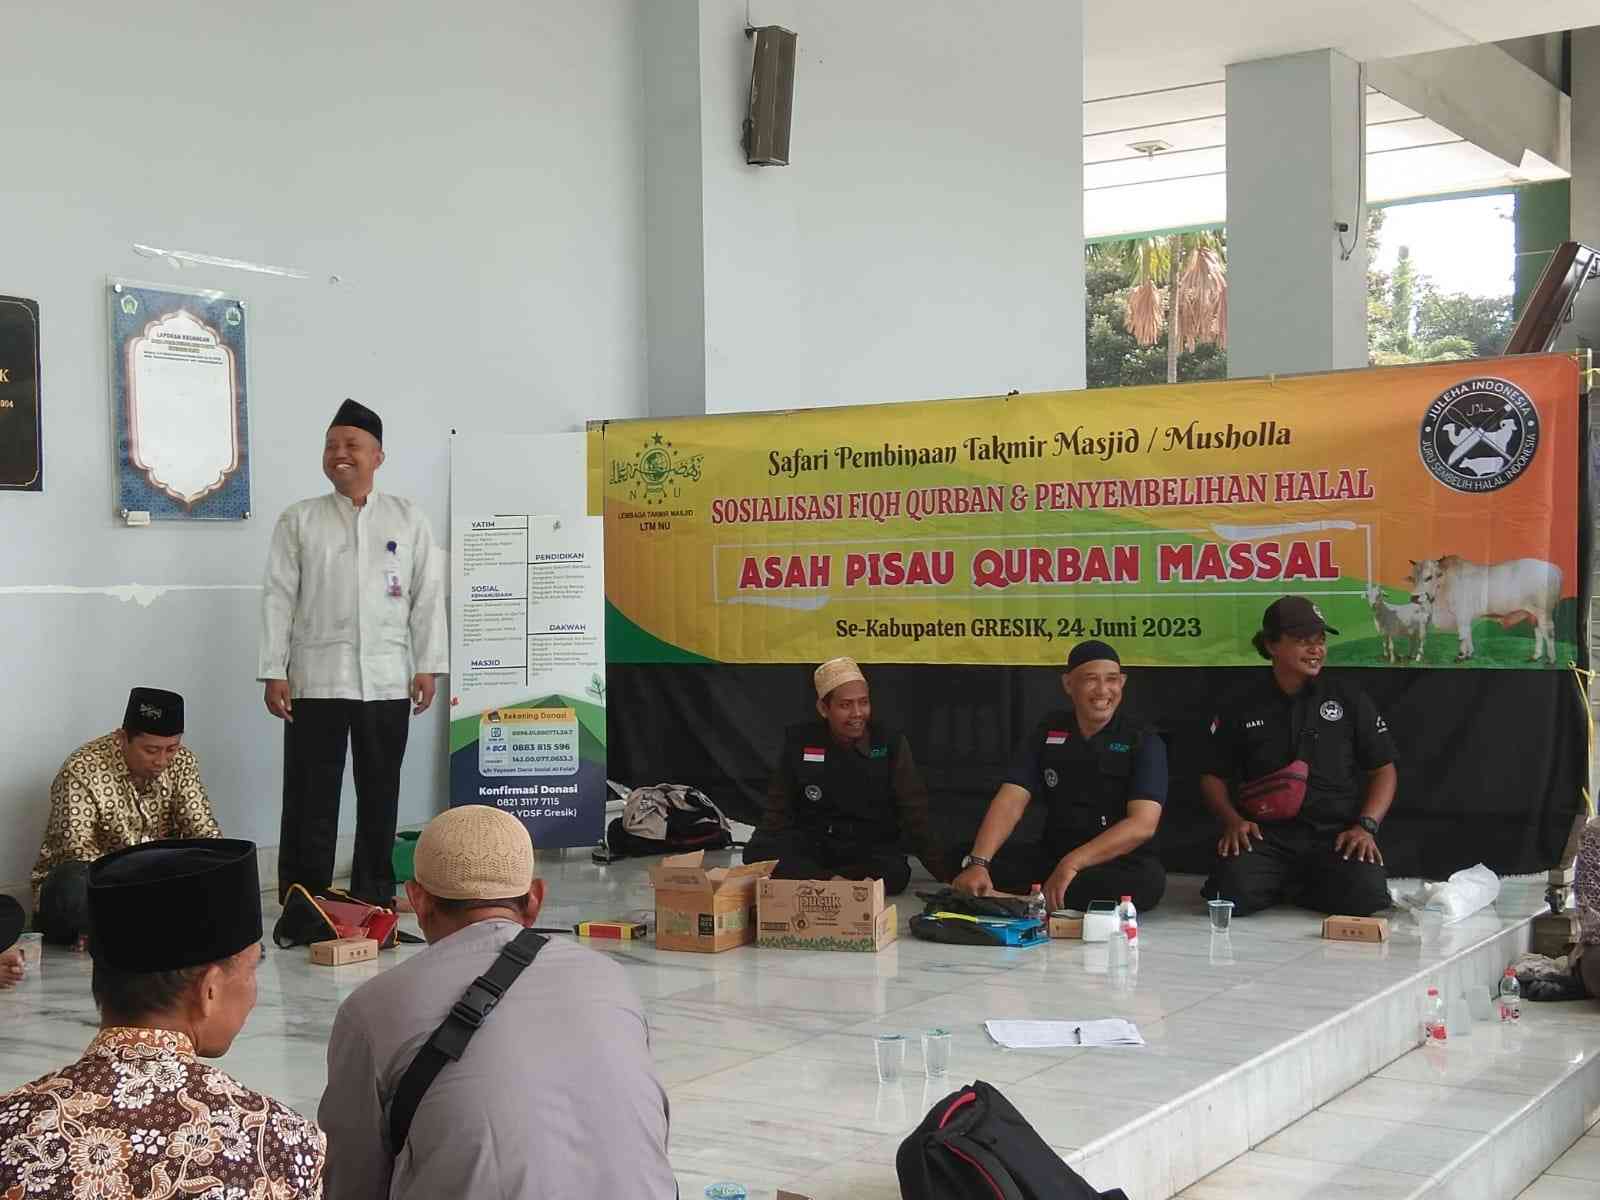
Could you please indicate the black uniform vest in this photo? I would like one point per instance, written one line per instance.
(1087, 781)
(845, 792)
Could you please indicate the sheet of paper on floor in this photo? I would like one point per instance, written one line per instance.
(1037, 1035)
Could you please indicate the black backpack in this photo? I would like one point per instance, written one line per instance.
(973, 1145)
(667, 819)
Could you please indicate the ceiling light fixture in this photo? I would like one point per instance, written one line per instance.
(1150, 149)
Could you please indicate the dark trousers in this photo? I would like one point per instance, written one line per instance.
(1295, 862)
(313, 777)
(803, 854)
(1017, 868)
(63, 913)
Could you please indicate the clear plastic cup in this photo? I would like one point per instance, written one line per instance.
(891, 1050)
(1221, 914)
(32, 947)
(936, 1052)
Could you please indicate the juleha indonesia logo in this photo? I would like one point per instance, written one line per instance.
(1479, 435)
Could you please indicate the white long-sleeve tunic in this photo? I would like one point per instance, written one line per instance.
(331, 623)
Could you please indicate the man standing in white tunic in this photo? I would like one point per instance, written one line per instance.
(352, 636)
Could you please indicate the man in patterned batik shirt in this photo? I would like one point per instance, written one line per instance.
(134, 785)
(177, 938)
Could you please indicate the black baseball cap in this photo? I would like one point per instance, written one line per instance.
(1294, 615)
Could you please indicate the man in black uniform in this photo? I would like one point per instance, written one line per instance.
(1102, 774)
(1325, 856)
(846, 797)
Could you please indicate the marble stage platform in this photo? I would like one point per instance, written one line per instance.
(768, 1060)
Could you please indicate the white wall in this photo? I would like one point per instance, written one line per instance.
(926, 238)
(473, 174)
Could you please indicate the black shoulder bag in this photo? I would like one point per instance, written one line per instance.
(448, 1042)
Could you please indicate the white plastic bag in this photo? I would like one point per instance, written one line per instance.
(1464, 893)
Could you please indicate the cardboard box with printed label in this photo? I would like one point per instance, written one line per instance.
(1356, 929)
(831, 914)
(339, 952)
(705, 910)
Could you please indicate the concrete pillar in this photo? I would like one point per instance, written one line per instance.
(1297, 299)
(1585, 328)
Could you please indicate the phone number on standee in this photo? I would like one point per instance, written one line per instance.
(1045, 628)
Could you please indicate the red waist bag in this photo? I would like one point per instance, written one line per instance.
(1278, 796)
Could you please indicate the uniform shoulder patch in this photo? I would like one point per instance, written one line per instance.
(879, 752)
(813, 792)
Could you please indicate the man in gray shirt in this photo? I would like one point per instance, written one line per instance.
(556, 1095)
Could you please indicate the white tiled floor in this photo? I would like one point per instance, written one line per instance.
(768, 1059)
(1573, 1176)
(1469, 1118)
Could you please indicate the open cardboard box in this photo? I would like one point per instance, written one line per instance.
(705, 910)
(825, 914)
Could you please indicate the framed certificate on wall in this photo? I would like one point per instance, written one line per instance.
(180, 403)
(21, 422)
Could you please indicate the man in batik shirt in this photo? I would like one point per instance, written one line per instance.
(133, 785)
(177, 937)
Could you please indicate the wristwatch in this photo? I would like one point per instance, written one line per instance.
(1368, 824)
(973, 860)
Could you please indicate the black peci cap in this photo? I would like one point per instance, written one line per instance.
(151, 710)
(167, 905)
(360, 417)
(1091, 651)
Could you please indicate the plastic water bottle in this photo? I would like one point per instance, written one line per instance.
(1036, 908)
(1435, 1027)
(1128, 922)
(1510, 997)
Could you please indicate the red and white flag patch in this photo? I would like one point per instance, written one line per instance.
(1055, 737)
(814, 754)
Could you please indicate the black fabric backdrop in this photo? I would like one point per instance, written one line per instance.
(1492, 766)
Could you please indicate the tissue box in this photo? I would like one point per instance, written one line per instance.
(1356, 929)
(339, 952)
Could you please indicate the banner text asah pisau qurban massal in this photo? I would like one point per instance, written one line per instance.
(1430, 512)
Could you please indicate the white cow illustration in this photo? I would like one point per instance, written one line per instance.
(1461, 592)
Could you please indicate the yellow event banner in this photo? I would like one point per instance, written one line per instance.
(1430, 511)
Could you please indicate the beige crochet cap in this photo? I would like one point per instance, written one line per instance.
(475, 853)
(835, 673)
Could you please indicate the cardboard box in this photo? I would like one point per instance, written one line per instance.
(825, 914)
(705, 911)
(1356, 929)
(1066, 923)
(339, 952)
